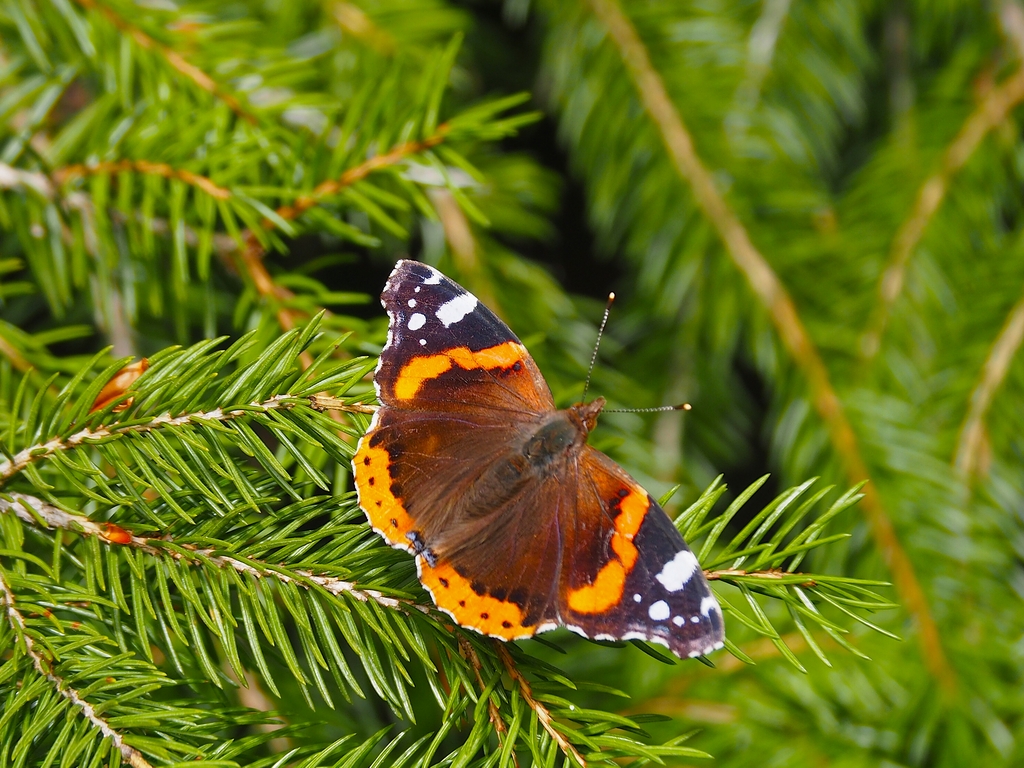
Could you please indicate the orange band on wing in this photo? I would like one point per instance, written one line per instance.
(483, 613)
(427, 367)
(606, 589)
(373, 482)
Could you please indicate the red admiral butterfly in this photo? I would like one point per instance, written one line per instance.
(518, 526)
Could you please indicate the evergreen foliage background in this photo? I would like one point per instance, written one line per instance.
(812, 215)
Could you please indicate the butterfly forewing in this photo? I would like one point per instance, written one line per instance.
(447, 351)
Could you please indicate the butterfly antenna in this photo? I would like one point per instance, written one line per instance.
(659, 409)
(597, 344)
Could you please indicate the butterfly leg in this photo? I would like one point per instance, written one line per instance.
(419, 547)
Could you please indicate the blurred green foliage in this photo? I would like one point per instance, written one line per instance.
(811, 214)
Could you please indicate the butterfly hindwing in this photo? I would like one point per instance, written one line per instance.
(446, 493)
(634, 577)
(416, 471)
(499, 574)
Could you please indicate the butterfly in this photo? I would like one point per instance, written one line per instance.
(518, 526)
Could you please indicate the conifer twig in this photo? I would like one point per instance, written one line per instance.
(42, 185)
(353, 19)
(44, 667)
(459, 234)
(14, 357)
(32, 509)
(494, 714)
(770, 575)
(17, 178)
(79, 170)
(251, 255)
(543, 715)
(331, 187)
(989, 114)
(173, 58)
(783, 313)
(969, 444)
(33, 453)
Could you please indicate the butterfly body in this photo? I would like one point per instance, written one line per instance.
(517, 524)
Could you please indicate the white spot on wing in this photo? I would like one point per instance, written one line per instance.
(678, 571)
(416, 289)
(435, 277)
(659, 611)
(423, 342)
(412, 303)
(678, 621)
(695, 619)
(417, 321)
(455, 309)
(637, 598)
(577, 630)
(709, 604)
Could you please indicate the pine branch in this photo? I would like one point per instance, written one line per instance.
(354, 20)
(970, 443)
(44, 667)
(26, 456)
(992, 112)
(79, 170)
(493, 712)
(785, 317)
(172, 57)
(542, 712)
(251, 255)
(228, 564)
(32, 510)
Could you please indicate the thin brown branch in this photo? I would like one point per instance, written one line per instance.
(40, 451)
(543, 715)
(770, 575)
(333, 186)
(992, 112)
(16, 178)
(467, 652)
(459, 234)
(79, 170)
(43, 665)
(32, 510)
(175, 59)
(322, 402)
(783, 313)
(1011, 19)
(353, 20)
(14, 357)
(251, 256)
(970, 444)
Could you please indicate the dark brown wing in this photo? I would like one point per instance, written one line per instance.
(626, 571)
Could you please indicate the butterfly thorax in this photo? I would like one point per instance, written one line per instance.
(561, 435)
